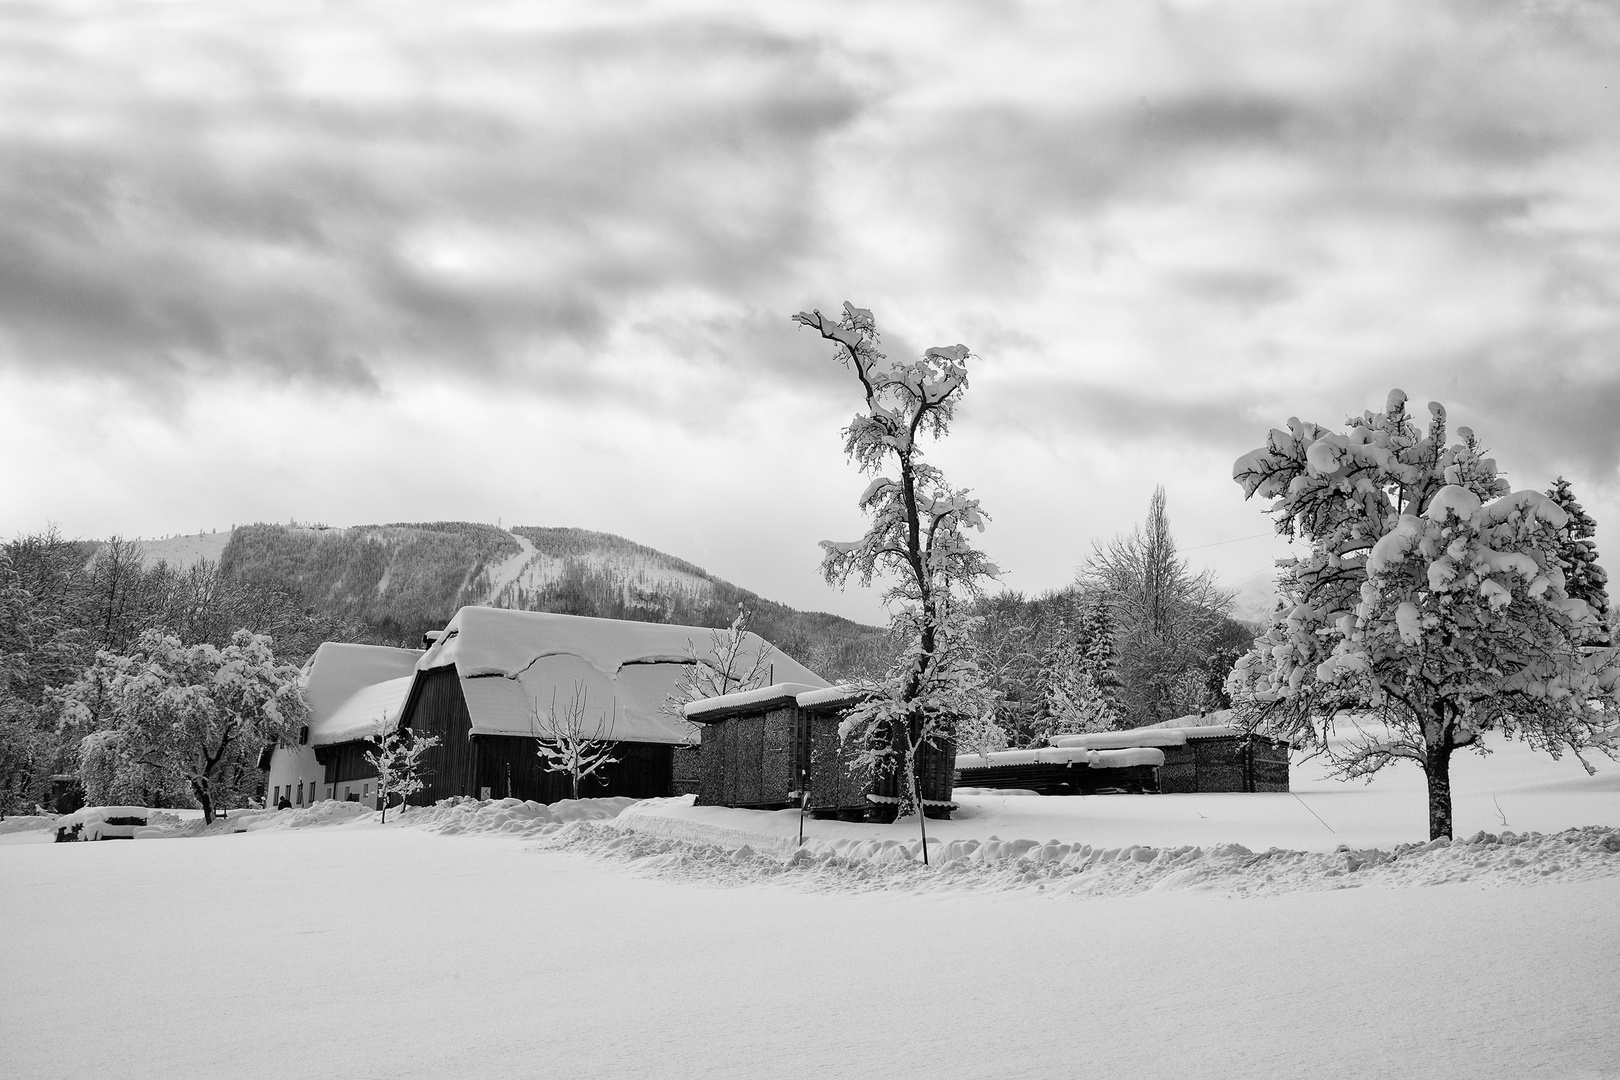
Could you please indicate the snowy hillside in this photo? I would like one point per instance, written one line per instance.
(400, 580)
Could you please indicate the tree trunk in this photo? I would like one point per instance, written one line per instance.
(201, 791)
(1437, 767)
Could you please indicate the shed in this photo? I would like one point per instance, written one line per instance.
(778, 746)
(483, 685)
(1050, 770)
(1202, 758)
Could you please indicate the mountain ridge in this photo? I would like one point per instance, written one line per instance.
(400, 579)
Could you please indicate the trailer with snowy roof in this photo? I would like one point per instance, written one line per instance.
(778, 746)
(1164, 760)
(1201, 757)
(1051, 770)
(488, 684)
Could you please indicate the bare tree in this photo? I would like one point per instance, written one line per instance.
(397, 757)
(569, 743)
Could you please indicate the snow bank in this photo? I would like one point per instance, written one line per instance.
(27, 823)
(1083, 870)
(510, 817)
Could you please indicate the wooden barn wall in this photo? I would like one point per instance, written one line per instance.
(936, 769)
(1223, 764)
(687, 769)
(1269, 764)
(1179, 773)
(836, 783)
(780, 741)
(436, 707)
(346, 761)
(712, 765)
(745, 739)
(510, 767)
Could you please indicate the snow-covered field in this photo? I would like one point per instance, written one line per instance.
(660, 940)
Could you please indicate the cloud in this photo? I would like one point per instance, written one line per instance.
(1164, 228)
(496, 203)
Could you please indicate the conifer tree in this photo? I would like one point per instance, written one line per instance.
(1584, 579)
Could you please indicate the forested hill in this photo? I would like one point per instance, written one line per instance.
(400, 580)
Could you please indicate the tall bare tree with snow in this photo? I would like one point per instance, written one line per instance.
(918, 540)
(1429, 607)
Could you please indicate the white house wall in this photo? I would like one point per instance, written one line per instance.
(292, 766)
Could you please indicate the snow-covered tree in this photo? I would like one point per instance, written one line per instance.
(1584, 579)
(918, 541)
(1427, 609)
(1168, 619)
(396, 754)
(190, 713)
(572, 744)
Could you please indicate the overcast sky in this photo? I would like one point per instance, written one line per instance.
(395, 261)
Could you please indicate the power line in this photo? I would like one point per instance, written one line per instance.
(1235, 540)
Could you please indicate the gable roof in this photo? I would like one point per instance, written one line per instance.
(361, 715)
(514, 665)
(339, 669)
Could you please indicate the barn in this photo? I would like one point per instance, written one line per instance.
(341, 685)
(485, 685)
(778, 746)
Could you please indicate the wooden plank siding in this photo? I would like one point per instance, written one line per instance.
(761, 760)
(435, 706)
(511, 767)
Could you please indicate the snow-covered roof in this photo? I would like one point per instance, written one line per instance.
(1063, 755)
(744, 699)
(515, 664)
(1114, 740)
(1151, 736)
(359, 717)
(338, 669)
(842, 694)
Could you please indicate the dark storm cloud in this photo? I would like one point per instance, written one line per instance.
(246, 215)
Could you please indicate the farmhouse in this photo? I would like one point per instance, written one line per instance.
(349, 689)
(488, 684)
(778, 746)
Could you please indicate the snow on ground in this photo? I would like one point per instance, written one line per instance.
(181, 552)
(1513, 789)
(394, 952)
(481, 939)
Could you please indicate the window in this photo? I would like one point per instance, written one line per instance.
(303, 735)
(278, 795)
(300, 793)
